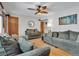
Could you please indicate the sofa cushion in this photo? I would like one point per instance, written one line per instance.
(47, 39)
(11, 47)
(73, 35)
(8, 46)
(63, 35)
(2, 52)
(77, 39)
(25, 45)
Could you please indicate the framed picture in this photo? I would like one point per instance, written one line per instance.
(31, 23)
(67, 20)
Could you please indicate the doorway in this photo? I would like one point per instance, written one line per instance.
(13, 25)
(42, 26)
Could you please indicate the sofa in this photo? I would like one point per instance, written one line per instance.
(10, 46)
(43, 51)
(32, 33)
(67, 40)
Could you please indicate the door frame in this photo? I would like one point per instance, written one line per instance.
(9, 30)
(42, 26)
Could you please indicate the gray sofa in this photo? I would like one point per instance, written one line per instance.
(68, 40)
(43, 51)
(21, 47)
(32, 33)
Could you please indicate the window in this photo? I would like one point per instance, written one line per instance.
(1, 24)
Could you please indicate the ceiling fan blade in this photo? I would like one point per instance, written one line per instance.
(36, 13)
(44, 8)
(30, 9)
(44, 12)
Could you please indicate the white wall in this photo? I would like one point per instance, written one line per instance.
(55, 21)
(1, 22)
(23, 24)
(1, 25)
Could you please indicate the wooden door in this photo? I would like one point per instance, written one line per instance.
(42, 27)
(13, 25)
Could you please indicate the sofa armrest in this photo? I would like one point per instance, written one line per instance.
(44, 51)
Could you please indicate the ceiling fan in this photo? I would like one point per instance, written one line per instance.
(40, 9)
(3, 10)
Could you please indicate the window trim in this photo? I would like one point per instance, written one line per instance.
(2, 23)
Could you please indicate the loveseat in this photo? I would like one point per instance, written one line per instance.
(68, 41)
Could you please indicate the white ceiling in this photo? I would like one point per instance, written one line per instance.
(20, 8)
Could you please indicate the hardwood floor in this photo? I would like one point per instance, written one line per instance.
(54, 51)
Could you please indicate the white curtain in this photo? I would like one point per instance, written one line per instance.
(1, 24)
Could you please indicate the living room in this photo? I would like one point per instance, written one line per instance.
(36, 29)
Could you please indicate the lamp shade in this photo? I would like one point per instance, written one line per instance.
(49, 25)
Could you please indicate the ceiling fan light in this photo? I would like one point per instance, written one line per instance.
(39, 14)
